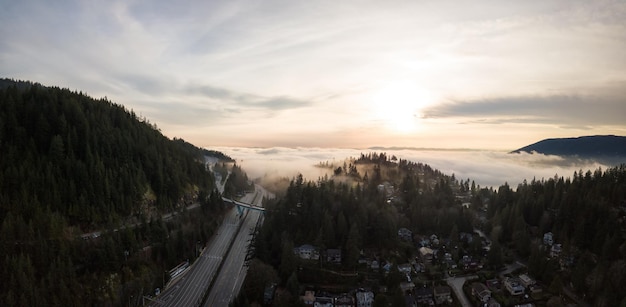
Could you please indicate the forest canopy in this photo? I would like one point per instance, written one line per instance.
(84, 184)
(91, 161)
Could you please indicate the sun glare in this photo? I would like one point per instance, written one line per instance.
(399, 105)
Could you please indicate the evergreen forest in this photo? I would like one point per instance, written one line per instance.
(84, 184)
(361, 207)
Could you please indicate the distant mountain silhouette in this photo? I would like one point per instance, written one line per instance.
(597, 146)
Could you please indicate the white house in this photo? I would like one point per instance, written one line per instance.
(307, 251)
(548, 239)
(426, 253)
(526, 280)
(514, 286)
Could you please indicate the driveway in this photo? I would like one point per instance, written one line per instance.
(456, 283)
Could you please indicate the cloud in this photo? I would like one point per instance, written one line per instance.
(575, 110)
(303, 73)
(238, 99)
(486, 168)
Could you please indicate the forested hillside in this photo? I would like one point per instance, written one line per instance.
(90, 161)
(586, 215)
(368, 202)
(71, 165)
(359, 208)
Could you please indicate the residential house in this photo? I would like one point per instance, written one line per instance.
(493, 303)
(345, 300)
(364, 298)
(448, 260)
(451, 264)
(493, 284)
(526, 280)
(419, 267)
(386, 187)
(405, 234)
(434, 240)
(308, 298)
(424, 296)
(480, 291)
(405, 268)
(333, 256)
(555, 251)
(514, 286)
(470, 264)
(548, 239)
(427, 254)
(307, 252)
(323, 300)
(442, 294)
(375, 265)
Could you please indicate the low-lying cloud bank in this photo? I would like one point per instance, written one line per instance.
(486, 168)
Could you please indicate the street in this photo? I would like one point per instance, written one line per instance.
(456, 283)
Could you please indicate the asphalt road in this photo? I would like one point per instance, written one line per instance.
(456, 283)
(189, 289)
(233, 272)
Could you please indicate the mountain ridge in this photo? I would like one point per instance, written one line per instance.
(594, 146)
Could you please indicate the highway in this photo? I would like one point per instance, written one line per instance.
(189, 289)
(233, 272)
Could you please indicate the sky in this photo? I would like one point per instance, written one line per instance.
(350, 74)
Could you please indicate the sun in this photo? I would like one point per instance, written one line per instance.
(399, 105)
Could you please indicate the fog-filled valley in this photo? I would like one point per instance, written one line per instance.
(487, 168)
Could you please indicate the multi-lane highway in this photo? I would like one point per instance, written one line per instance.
(191, 287)
(230, 279)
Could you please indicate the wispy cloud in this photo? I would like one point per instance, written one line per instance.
(247, 100)
(305, 72)
(573, 110)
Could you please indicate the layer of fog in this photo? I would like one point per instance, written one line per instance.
(486, 168)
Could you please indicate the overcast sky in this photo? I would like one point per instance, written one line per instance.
(350, 74)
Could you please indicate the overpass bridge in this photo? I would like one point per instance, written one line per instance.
(241, 206)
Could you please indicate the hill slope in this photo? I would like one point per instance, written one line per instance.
(71, 164)
(585, 146)
(88, 160)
